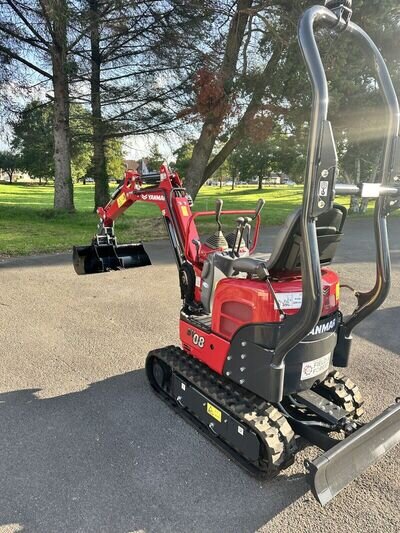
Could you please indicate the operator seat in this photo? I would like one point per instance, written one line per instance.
(285, 255)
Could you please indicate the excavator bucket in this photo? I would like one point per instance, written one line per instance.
(337, 467)
(105, 257)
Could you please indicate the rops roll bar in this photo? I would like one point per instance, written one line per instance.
(319, 187)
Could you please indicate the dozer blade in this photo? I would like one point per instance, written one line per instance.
(105, 257)
(337, 467)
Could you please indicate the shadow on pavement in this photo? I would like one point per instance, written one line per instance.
(382, 329)
(114, 458)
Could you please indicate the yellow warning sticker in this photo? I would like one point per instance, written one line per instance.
(121, 199)
(185, 211)
(214, 412)
(337, 292)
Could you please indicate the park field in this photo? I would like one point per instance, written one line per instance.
(29, 225)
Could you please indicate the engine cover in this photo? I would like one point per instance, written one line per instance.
(241, 301)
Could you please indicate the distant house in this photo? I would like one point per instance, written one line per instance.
(274, 179)
(139, 166)
(131, 164)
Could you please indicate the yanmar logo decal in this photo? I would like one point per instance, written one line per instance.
(156, 197)
(324, 328)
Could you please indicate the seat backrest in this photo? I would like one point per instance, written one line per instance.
(286, 253)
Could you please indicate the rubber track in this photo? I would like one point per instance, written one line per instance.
(264, 419)
(341, 390)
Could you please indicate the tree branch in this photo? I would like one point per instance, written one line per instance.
(16, 35)
(25, 62)
(27, 23)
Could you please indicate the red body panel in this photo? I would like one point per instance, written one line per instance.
(207, 347)
(241, 301)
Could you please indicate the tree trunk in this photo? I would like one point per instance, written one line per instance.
(213, 121)
(10, 175)
(102, 193)
(200, 156)
(260, 182)
(63, 188)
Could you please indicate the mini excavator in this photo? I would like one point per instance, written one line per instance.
(263, 340)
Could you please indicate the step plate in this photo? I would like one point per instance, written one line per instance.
(337, 467)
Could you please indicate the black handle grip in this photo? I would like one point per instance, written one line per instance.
(259, 206)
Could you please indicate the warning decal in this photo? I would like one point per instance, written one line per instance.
(121, 199)
(214, 412)
(289, 300)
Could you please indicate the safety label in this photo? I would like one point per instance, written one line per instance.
(311, 369)
(288, 300)
(121, 199)
(323, 188)
(214, 412)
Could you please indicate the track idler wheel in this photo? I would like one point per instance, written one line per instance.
(279, 440)
(341, 390)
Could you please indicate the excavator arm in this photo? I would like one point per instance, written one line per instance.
(163, 189)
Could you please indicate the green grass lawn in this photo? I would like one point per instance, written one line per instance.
(29, 225)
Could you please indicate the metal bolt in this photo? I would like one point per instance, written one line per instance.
(179, 401)
(325, 173)
(321, 204)
(243, 356)
(242, 368)
(228, 373)
(244, 343)
(229, 358)
(242, 381)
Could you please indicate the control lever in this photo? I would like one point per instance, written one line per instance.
(197, 244)
(247, 227)
(218, 210)
(238, 235)
(259, 206)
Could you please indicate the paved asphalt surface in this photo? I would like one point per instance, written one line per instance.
(86, 446)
